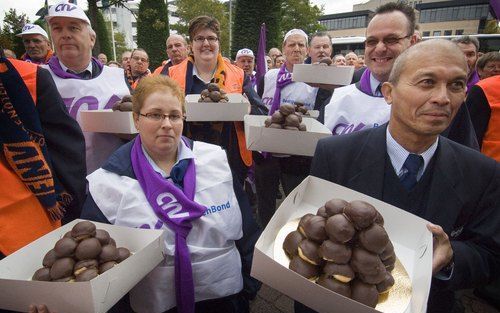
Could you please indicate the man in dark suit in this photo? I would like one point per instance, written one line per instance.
(408, 164)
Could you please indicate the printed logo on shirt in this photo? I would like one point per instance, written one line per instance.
(88, 102)
(345, 128)
(217, 208)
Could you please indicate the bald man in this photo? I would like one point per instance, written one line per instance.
(425, 90)
(177, 51)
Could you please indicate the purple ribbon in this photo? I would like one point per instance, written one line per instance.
(55, 66)
(176, 213)
(284, 78)
(365, 85)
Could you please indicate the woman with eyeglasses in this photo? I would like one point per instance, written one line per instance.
(163, 180)
(206, 65)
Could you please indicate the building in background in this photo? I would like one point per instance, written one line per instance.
(436, 18)
(124, 19)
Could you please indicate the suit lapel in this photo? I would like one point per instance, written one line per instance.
(369, 176)
(445, 202)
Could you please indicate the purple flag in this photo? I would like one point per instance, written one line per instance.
(495, 7)
(261, 55)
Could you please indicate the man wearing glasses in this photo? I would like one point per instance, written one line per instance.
(139, 66)
(361, 105)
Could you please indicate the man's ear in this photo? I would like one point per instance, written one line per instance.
(386, 90)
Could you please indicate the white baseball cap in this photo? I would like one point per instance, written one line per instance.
(245, 53)
(30, 29)
(296, 31)
(66, 9)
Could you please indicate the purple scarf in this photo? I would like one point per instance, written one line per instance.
(284, 78)
(473, 79)
(365, 85)
(55, 66)
(177, 212)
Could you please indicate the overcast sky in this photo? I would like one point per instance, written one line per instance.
(30, 7)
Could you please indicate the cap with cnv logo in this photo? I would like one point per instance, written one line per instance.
(66, 9)
(33, 29)
(244, 53)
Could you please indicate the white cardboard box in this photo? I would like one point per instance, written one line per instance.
(261, 138)
(18, 291)
(234, 110)
(412, 242)
(108, 121)
(320, 74)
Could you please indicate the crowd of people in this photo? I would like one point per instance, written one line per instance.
(418, 127)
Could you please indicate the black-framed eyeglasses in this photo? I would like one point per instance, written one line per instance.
(388, 41)
(210, 39)
(157, 117)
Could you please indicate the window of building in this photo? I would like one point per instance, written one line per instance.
(459, 32)
(345, 23)
(436, 33)
(134, 24)
(114, 24)
(447, 32)
(426, 34)
(113, 10)
(464, 12)
(134, 38)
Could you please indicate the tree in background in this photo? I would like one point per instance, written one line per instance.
(249, 15)
(152, 30)
(101, 30)
(12, 25)
(189, 9)
(300, 14)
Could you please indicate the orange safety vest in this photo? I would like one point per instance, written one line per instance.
(22, 218)
(491, 139)
(232, 84)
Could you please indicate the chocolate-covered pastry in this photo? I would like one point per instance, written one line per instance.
(314, 228)
(123, 253)
(287, 109)
(302, 221)
(277, 117)
(335, 206)
(293, 120)
(205, 93)
(335, 285)
(88, 249)
(267, 122)
(308, 251)
(102, 236)
(379, 219)
(364, 293)
(302, 127)
(386, 284)
(213, 87)
(275, 125)
(326, 60)
(108, 253)
(387, 252)
(375, 278)
(361, 213)
(42, 274)
(215, 96)
(87, 275)
(374, 238)
(65, 247)
(338, 228)
(291, 243)
(322, 212)
(81, 266)
(49, 258)
(106, 266)
(62, 268)
(390, 261)
(304, 268)
(66, 279)
(123, 106)
(112, 242)
(341, 272)
(82, 230)
(68, 234)
(365, 262)
(335, 252)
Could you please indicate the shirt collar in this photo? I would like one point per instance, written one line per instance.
(374, 83)
(183, 152)
(65, 68)
(195, 73)
(398, 154)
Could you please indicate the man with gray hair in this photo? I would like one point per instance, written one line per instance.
(36, 43)
(470, 47)
(406, 163)
(83, 82)
(177, 51)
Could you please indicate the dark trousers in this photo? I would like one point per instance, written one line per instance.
(291, 171)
